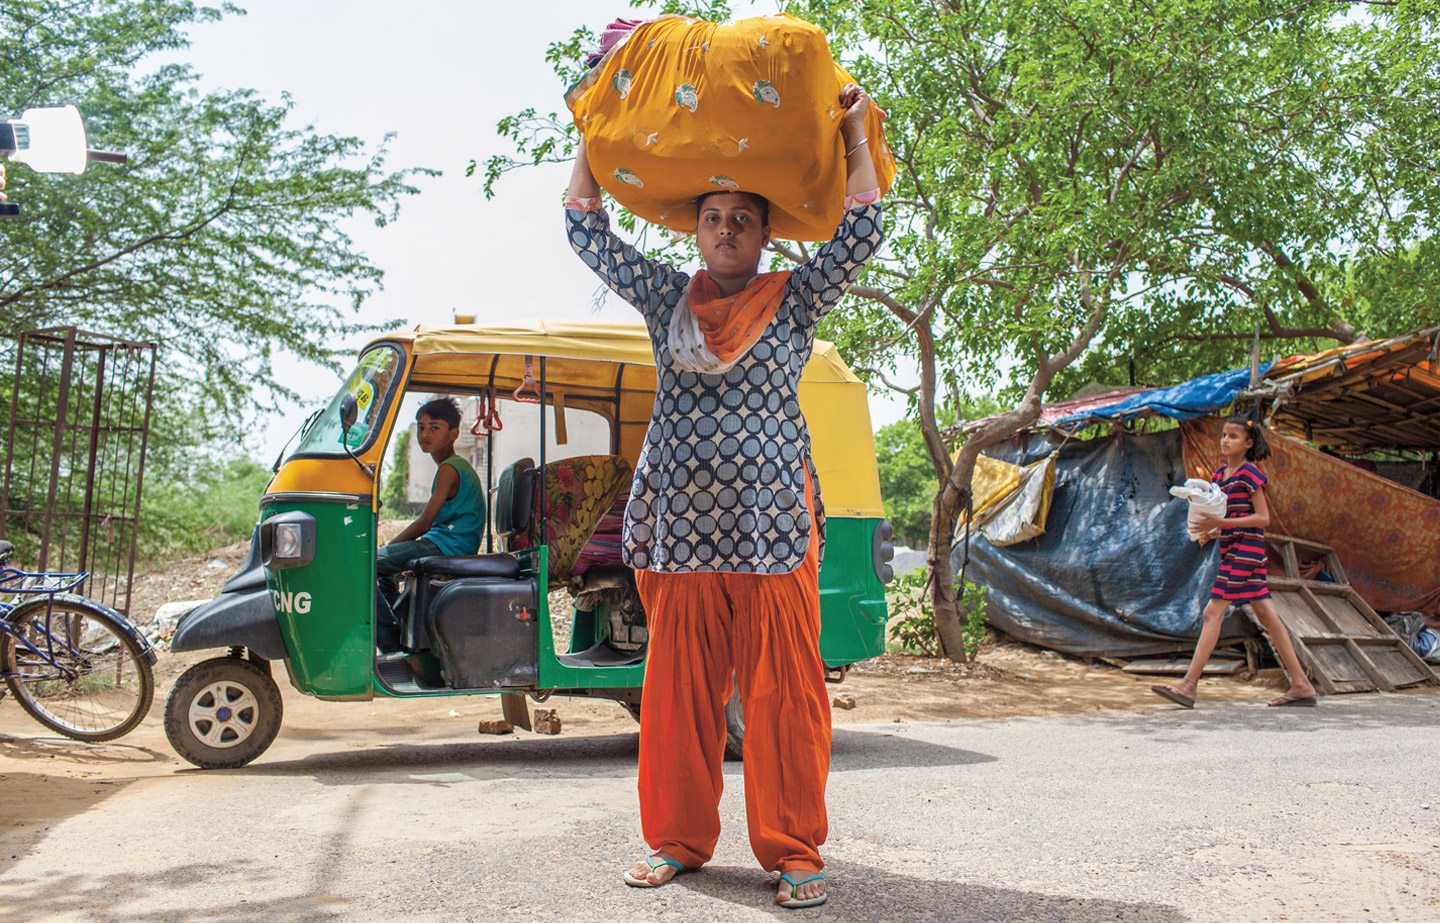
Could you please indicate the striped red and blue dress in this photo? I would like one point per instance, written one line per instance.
(1242, 549)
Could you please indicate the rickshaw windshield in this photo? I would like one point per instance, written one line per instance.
(373, 386)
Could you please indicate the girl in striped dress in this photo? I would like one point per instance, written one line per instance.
(1242, 563)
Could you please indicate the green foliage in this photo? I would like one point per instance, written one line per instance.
(907, 481)
(1177, 173)
(914, 630)
(217, 504)
(394, 495)
(222, 239)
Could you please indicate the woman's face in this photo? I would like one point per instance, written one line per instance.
(730, 234)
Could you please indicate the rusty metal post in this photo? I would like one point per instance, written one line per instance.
(140, 481)
(62, 407)
(10, 438)
(89, 508)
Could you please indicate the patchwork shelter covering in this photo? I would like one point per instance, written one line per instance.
(1110, 576)
(1114, 573)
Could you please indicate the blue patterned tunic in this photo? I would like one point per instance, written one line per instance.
(720, 482)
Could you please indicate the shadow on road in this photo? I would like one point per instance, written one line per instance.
(120, 896)
(861, 893)
(561, 758)
(109, 753)
(1358, 711)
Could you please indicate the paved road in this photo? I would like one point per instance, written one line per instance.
(1233, 812)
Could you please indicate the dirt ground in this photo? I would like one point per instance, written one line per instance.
(1010, 679)
(45, 777)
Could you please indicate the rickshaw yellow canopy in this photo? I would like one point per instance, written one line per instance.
(609, 369)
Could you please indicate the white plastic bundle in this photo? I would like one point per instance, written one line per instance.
(1205, 499)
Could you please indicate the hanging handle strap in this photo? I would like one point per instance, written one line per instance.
(478, 428)
(529, 380)
(487, 421)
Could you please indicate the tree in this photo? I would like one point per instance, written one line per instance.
(1130, 180)
(223, 238)
(1127, 183)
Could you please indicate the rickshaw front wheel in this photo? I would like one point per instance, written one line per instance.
(223, 713)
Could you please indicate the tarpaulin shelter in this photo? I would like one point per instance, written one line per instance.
(1112, 573)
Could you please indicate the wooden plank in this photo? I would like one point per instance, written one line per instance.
(1179, 666)
(1295, 583)
(1299, 542)
(1291, 560)
(1365, 663)
(1307, 661)
(1371, 615)
(1348, 619)
(1323, 684)
(1298, 617)
(1422, 667)
(1321, 612)
(1335, 662)
(1337, 570)
(1397, 668)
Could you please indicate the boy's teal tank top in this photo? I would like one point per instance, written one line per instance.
(461, 521)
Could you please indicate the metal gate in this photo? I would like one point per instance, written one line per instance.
(75, 456)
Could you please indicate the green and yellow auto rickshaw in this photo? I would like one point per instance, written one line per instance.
(482, 623)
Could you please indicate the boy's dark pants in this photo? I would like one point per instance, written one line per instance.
(389, 561)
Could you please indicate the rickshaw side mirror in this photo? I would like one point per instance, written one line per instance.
(349, 411)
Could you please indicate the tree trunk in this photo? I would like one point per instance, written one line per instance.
(950, 503)
(954, 492)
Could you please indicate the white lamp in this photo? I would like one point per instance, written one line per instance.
(57, 140)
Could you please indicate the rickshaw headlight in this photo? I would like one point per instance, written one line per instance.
(287, 540)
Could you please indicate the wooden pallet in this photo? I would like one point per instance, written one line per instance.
(1342, 643)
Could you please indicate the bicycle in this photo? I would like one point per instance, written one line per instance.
(78, 667)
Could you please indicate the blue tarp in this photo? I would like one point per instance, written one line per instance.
(1185, 401)
(1113, 574)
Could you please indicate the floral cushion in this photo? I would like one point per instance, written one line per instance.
(579, 492)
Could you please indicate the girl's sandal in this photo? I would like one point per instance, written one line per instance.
(795, 902)
(1174, 695)
(634, 882)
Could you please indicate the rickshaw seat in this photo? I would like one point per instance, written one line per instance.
(579, 492)
(474, 565)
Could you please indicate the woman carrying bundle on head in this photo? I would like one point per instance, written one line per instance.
(1242, 563)
(725, 524)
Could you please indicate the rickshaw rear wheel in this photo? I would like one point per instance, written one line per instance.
(734, 725)
(223, 713)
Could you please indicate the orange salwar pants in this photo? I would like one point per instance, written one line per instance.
(764, 630)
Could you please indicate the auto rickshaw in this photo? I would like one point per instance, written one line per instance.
(481, 624)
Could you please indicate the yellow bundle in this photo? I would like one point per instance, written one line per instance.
(682, 107)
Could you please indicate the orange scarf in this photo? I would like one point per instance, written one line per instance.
(732, 324)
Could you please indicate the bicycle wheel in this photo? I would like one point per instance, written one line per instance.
(85, 677)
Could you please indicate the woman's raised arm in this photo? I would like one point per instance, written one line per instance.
(582, 181)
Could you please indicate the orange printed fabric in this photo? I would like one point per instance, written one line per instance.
(731, 325)
(1386, 535)
(682, 107)
(764, 631)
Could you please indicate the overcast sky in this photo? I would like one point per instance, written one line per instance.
(438, 75)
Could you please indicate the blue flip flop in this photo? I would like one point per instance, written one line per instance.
(634, 882)
(796, 902)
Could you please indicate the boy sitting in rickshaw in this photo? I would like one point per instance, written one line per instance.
(451, 524)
